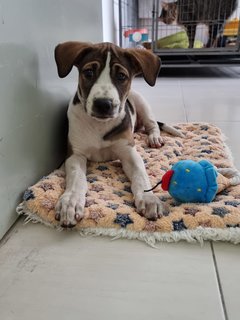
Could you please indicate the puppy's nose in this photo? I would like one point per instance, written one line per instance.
(102, 106)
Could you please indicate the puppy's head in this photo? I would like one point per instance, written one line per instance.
(105, 74)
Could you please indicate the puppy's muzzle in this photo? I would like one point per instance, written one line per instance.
(103, 108)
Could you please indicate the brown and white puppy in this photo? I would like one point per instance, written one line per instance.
(102, 117)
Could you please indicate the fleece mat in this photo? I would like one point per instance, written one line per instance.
(110, 207)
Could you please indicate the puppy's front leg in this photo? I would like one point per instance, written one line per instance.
(147, 204)
(70, 207)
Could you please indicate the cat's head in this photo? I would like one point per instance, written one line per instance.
(169, 12)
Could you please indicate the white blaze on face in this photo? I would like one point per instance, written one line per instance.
(104, 88)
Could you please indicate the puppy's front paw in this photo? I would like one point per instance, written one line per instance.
(151, 207)
(155, 140)
(69, 210)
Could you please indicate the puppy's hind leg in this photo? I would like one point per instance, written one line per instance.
(173, 131)
(232, 173)
(146, 117)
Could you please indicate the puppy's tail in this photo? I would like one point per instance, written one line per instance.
(231, 173)
(169, 129)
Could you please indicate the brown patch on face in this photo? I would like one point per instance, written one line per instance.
(93, 64)
(121, 78)
(88, 74)
(90, 59)
(77, 54)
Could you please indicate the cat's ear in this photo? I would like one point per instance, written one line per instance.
(165, 5)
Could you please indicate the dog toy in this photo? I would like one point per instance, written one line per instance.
(191, 181)
(136, 35)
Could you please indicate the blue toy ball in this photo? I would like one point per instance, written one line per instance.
(191, 181)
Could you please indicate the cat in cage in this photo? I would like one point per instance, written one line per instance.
(190, 13)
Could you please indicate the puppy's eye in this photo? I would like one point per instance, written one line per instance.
(88, 73)
(121, 76)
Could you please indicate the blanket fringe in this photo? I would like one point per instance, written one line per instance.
(198, 235)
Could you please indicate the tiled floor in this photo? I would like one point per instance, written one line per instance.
(49, 275)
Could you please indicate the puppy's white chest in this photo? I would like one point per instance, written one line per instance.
(98, 155)
(90, 145)
(86, 137)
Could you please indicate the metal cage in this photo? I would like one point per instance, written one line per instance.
(190, 34)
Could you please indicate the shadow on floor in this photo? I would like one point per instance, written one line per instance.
(203, 72)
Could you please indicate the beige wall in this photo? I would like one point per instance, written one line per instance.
(33, 99)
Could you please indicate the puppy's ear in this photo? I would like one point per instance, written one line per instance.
(67, 53)
(145, 62)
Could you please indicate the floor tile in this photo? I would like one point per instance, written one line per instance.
(228, 263)
(50, 275)
(212, 103)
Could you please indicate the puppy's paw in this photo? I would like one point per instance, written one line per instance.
(155, 140)
(69, 210)
(151, 207)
